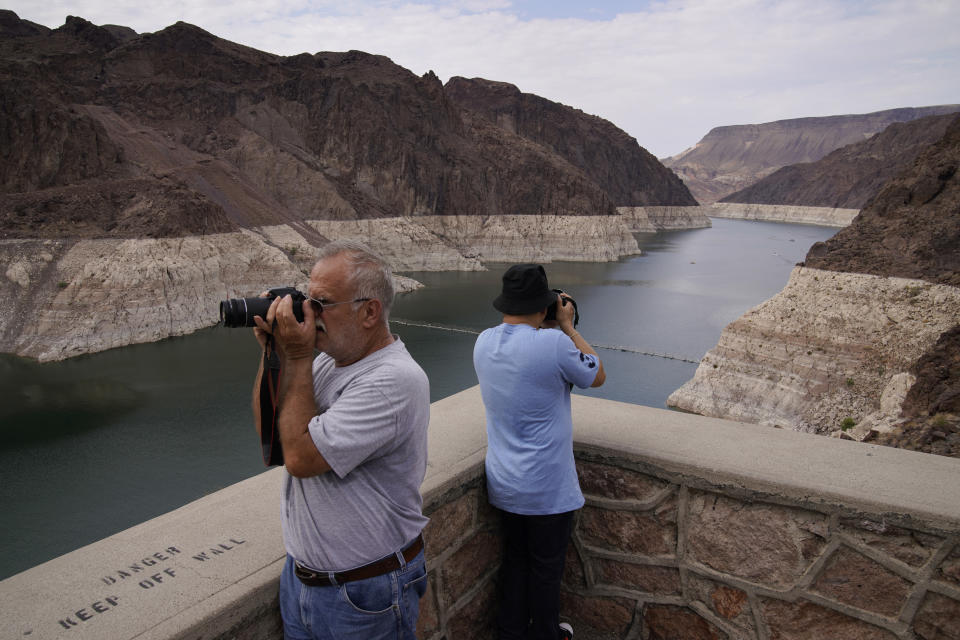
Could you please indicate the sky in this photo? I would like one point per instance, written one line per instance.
(664, 71)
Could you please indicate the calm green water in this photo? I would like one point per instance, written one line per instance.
(99, 443)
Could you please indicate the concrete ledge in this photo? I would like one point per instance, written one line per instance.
(210, 569)
(173, 573)
(778, 462)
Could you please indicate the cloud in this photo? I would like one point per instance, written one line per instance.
(666, 73)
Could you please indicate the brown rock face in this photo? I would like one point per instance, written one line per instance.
(630, 174)
(215, 136)
(731, 158)
(911, 228)
(932, 405)
(848, 177)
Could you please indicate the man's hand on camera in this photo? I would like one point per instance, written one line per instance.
(295, 339)
(264, 327)
(565, 313)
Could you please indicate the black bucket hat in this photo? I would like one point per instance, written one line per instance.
(525, 290)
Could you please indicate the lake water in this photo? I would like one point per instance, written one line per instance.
(99, 443)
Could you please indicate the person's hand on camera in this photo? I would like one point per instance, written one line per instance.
(295, 339)
(565, 313)
(264, 326)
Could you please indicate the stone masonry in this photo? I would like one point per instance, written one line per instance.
(655, 557)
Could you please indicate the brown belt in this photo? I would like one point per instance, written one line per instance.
(313, 578)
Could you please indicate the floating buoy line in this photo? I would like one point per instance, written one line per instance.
(455, 329)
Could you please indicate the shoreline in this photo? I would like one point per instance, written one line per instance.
(107, 293)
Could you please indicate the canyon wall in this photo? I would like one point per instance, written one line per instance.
(658, 218)
(70, 298)
(630, 174)
(830, 347)
(862, 342)
(824, 216)
(147, 176)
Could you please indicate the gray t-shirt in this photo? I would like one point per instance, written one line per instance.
(371, 428)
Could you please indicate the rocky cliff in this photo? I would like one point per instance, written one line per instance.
(848, 177)
(630, 174)
(731, 158)
(823, 216)
(145, 174)
(863, 340)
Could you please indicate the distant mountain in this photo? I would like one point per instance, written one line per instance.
(107, 133)
(732, 158)
(630, 174)
(848, 177)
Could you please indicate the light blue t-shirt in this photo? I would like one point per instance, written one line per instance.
(525, 376)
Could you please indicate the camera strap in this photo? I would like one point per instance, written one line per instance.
(269, 406)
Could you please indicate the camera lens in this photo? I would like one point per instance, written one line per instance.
(239, 312)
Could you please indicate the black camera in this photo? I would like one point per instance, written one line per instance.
(552, 309)
(239, 312)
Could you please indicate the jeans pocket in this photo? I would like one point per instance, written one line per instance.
(417, 586)
(371, 595)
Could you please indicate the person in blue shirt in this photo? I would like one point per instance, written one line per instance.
(526, 367)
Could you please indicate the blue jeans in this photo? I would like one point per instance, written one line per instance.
(384, 607)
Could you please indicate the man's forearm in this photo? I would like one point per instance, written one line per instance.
(297, 409)
(579, 342)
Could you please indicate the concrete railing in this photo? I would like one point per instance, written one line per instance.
(693, 528)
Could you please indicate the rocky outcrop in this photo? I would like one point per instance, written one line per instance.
(849, 176)
(820, 355)
(104, 293)
(731, 158)
(823, 216)
(630, 174)
(861, 340)
(653, 219)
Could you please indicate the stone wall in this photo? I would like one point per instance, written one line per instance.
(658, 557)
(694, 528)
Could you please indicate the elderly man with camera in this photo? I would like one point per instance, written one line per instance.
(527, 366)
(352, 426)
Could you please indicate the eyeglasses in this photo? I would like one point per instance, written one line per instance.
(320, 305)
